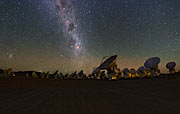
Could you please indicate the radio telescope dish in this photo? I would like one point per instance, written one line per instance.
(81, 72)
(170, 65)
(152, 62)
(125, 70)
(140, 69)
(96, 70)
(107, 64)
(132, 71)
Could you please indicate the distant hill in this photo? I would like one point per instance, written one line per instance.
(23, 73)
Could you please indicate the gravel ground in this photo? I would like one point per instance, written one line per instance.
(147, 96)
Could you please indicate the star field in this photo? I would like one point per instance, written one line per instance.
(33, 34)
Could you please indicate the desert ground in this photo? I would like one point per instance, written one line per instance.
(140, 96)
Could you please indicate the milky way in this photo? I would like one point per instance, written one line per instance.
(66, 12)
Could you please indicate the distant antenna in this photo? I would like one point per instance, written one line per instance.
(132, 70)
(140, 69)
(125, 70)
(107, 64)
(152, 62)
(170, 65)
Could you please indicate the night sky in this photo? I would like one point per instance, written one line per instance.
(35, 35)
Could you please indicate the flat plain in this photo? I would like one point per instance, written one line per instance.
(139, 96)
